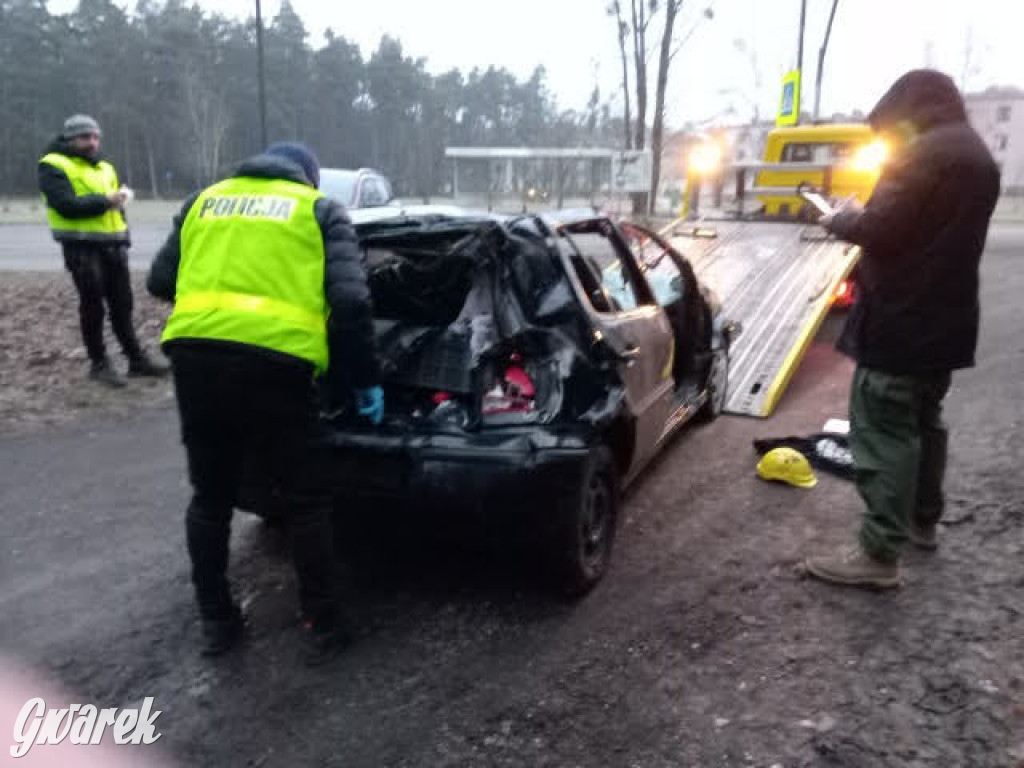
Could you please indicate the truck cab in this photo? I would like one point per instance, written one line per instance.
(853, 149)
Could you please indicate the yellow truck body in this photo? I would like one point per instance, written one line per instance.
(854, 149)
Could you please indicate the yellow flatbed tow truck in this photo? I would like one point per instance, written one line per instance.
(777, 280)
(775, 271)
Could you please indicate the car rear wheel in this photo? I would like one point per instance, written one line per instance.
(586, 526)
(716, 386)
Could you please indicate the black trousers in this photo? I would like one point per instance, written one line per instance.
(239, 405)
(100, 273)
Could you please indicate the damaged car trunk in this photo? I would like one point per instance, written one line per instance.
(513, 387)
(475, 328)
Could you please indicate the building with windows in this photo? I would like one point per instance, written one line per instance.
(998, 115)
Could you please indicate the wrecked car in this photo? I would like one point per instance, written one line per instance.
(532, 366)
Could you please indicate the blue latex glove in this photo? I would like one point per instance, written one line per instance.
(370, 402)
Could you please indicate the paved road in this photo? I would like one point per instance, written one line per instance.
(30, 247)
(701, 648)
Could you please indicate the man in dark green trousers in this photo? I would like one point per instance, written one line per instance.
(916, 319)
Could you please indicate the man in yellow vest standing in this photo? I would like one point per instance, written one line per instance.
(85, 208)
(268, 287)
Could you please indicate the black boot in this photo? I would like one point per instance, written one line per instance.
(103, 372)
(143, 366)
(221, 635)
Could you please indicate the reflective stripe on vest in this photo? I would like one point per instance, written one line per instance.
(86, 179)
(257, 305)
(252, 269)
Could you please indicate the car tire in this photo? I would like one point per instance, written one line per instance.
(586, 526)
(716, 385)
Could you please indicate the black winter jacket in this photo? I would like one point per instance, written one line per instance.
(60, 195)
(350, 329)
(922, 232)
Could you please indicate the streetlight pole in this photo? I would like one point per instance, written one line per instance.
(800, 58)
(262, 84)
(821, 61)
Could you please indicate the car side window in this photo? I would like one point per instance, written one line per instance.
(660, 269)
(608, 285)
(666, 281)
(372, 193)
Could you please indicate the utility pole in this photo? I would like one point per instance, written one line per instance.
(262, 85)
(800, 58)
(821, 61)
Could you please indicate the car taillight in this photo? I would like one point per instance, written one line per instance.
(513, 392)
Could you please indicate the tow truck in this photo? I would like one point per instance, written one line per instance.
(757, 246)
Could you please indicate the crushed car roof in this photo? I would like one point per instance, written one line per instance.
(554, 219)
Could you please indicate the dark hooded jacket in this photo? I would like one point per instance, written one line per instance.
(60, 195)
(350, 329)
(922, 233)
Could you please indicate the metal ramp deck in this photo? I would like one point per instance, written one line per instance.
(775, 278)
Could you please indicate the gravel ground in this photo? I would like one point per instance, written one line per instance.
(43, 364)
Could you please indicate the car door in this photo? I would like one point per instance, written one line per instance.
(624, 311)
(675, 288)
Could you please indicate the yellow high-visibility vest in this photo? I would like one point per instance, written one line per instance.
(252, 269)
(87, 179)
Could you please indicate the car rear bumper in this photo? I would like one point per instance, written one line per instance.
(479, 471)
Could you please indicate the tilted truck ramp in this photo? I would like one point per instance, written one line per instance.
(777, 280)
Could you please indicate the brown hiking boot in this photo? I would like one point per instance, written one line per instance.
(850, 566)
(923, 536)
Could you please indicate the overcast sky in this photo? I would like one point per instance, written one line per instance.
(873, 42)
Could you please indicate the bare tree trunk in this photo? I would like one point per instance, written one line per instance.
(658, 131)
(8, 132)
(151, 163)
(209, 120)
(640, 21)
(623, 29)
(640, 64)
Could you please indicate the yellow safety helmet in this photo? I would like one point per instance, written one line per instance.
(789, 466)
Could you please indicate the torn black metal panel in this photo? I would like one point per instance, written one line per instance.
(604, 410)
(535, 269)
(421, 287)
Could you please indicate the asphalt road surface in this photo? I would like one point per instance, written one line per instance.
(30, 246)
(703, 647)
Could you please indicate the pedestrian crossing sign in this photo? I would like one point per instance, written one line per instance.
(789, 106)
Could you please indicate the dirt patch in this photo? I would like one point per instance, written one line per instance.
(43, 364)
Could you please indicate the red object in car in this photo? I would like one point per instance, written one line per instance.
(442, 397)
(518, 382)
(514, 393)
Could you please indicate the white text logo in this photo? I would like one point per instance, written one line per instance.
(82, 725)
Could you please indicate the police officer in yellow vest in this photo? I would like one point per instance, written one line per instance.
(268, 287)
(85, 208)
